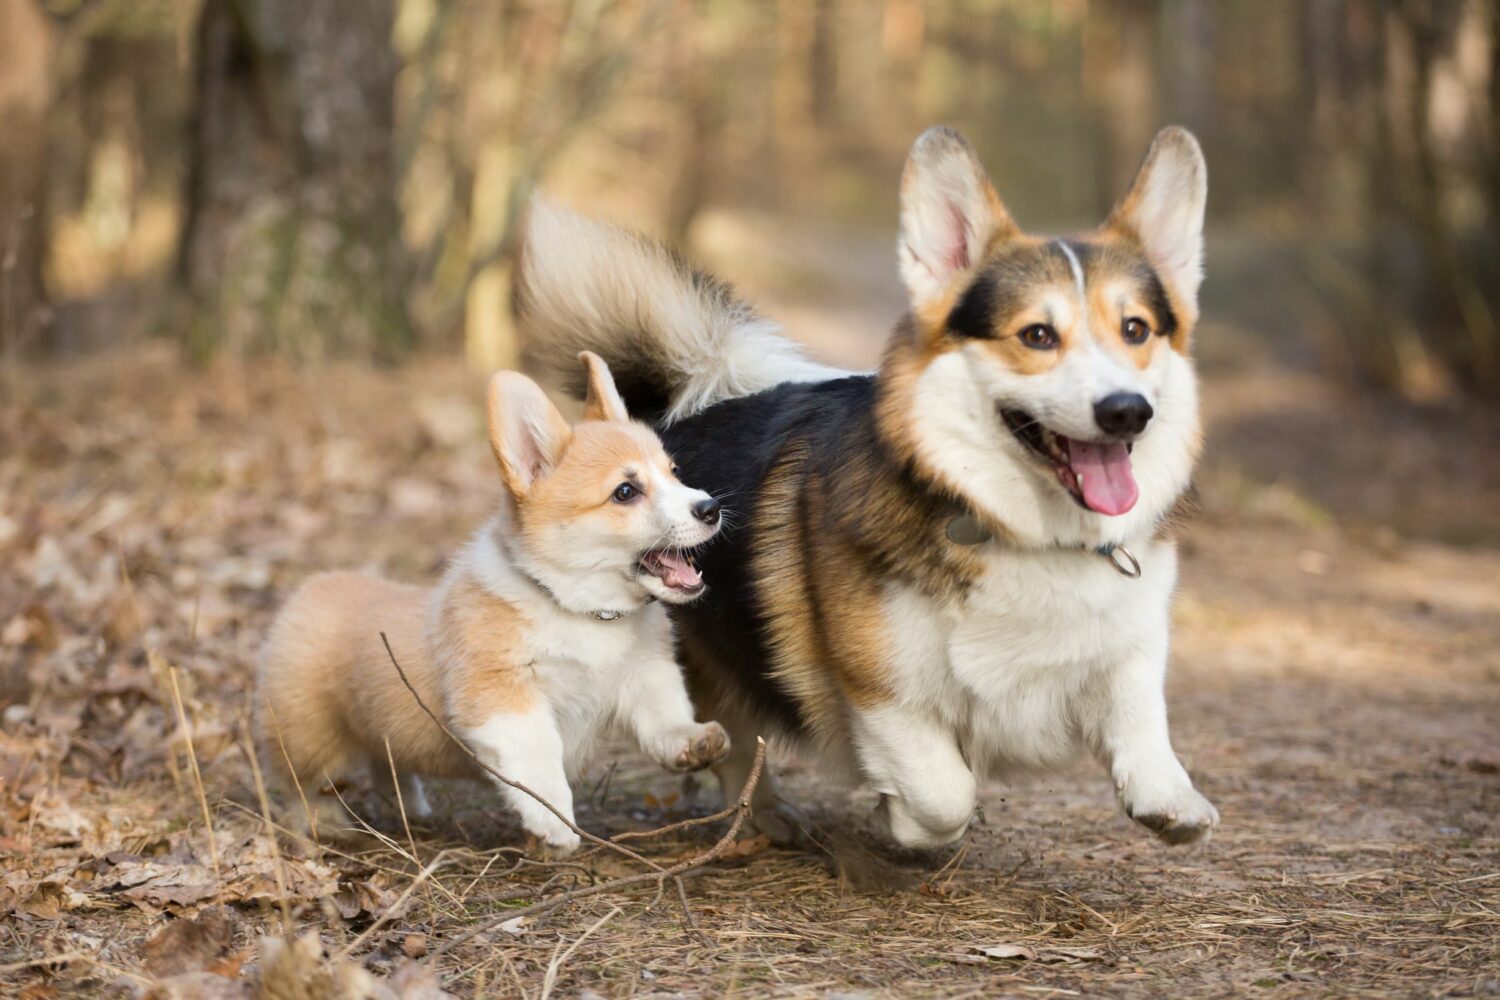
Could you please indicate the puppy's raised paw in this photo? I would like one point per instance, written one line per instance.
(1184, 818)
(701, 747)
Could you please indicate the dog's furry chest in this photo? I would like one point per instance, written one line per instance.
(578, 663)
(1013, 665)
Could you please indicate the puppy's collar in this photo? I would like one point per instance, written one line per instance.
(599, 615)
(966, 529)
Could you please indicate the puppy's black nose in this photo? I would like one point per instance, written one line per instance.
(707, 511)
(1122, 413)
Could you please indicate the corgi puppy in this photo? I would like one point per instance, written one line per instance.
(961, 565)
(547, 630)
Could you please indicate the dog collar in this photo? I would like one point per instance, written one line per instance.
(966, 529)
(600, 615)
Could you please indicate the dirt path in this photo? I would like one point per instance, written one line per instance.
(1335, 689)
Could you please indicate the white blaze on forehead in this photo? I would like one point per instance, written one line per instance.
(1077, 268)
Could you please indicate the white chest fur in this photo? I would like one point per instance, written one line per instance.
(1012, 667)
(579, 662)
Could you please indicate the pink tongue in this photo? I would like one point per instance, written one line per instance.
(678, 572)
(1104, 469)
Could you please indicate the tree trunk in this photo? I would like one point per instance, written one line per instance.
(293, 239)
(25, 97)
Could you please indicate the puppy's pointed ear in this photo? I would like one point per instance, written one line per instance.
(1164, 210)
(527, 433)
(602, 401)
(950, 215)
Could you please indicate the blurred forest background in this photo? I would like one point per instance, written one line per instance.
(255, 265)
(342, 178)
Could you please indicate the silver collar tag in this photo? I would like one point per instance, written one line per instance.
(965, 529)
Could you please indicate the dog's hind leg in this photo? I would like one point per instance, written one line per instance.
(783, 823)
(301, 767)
(769, 814)
(406, 793)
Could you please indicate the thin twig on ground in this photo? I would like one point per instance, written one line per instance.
(265, 812)
(660, 875)
(469, 751)
(187, 735)
(690, 866)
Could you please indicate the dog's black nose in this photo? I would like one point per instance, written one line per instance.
(1122, 413)
(707, 511)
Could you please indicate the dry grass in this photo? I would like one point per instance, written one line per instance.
(1335, 691)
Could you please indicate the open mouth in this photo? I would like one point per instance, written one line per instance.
(675, 568)
(1096, 474)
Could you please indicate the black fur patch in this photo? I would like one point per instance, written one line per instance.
(728, 449)
(870, 500)
(974, 316)
(1156, 295)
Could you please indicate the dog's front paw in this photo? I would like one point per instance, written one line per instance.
(553, 845)
(1179, 817)
(698, 747)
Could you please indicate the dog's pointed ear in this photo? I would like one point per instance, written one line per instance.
(950, 215)
(601, 401)
(1164, 210)
(527, 433)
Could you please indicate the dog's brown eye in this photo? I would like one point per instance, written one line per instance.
(1136, 331)
(624, 493)
(1039, 336)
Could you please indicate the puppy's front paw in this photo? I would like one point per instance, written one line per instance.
(1180, 817)
(554, 845)
(699, 747)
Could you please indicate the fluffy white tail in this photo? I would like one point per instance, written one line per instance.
(676, 340)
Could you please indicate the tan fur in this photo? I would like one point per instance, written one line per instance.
(481, 637)
(782, 566)
(328, 696)
(599, 455)
(903, 364)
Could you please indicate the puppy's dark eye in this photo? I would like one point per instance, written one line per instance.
(1135, 331)
(624, 493)
(676, 471)
(1039, 336)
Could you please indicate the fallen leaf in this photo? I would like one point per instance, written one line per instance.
(367, 897)
(1005, 951)
(50, 899)
(190, 944)
(59, 816)
(155, 886)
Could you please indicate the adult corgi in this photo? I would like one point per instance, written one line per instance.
(548, 629)
(957, 566)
